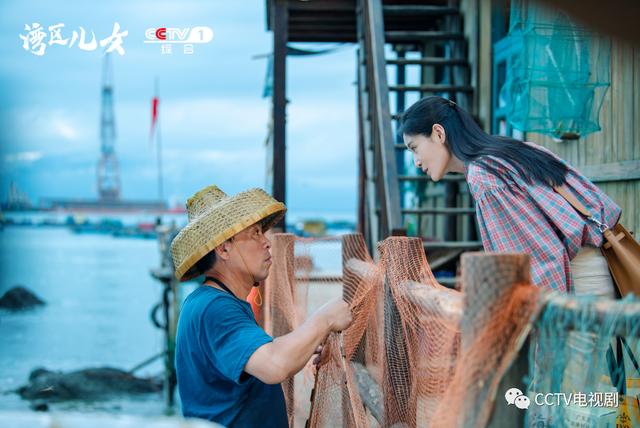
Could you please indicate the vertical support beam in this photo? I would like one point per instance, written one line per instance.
(280, 301)
(363, 223)
(453, 49)
(400, 107)
(451, 201)
(401, 354)
(492, 284)
(482, 68)
(401, 79)
(372, 221)
(171, 381)
(381, 116)
(280, 36)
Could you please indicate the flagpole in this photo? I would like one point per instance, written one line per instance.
(159, 145)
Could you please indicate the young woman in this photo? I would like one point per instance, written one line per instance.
(519, 211)
(517, 208)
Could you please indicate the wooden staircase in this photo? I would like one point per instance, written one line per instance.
(406, 52)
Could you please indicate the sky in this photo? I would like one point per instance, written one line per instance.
(213, 119)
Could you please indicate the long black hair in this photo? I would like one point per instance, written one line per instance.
(468, 142)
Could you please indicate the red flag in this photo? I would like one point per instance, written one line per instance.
(154, 116)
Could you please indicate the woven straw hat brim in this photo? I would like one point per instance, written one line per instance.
(220, 222)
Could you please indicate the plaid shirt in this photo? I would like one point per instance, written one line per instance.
(515, 216)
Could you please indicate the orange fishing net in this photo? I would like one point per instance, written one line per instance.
(417, 353)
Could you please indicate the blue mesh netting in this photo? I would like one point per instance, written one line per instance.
(574, 353)
(560, 74)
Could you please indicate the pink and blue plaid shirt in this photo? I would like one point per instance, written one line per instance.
(515, 216)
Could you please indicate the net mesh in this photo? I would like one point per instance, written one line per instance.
(417, 353)
(559, 75)
(576, 354)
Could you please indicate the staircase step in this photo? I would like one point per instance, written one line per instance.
(425, 10)
(448, 177)
(438, 259)
(410, 36)
(467, 245)
(430, 88)
(447, 211)
(449, 282)
(428, 61)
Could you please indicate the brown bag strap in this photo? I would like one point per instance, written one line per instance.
(573, 201)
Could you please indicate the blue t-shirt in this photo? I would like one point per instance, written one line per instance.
(217, 333)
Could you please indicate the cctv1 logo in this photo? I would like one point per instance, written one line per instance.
(179, 35)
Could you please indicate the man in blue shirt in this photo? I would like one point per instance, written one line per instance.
(229, 369)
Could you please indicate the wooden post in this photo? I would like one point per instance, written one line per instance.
(280, 37)
(351, 278)
(279, 300)
(362, 225)
(381, 116)
(489, 281)
(400, 384)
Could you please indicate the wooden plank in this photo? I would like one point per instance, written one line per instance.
(395, 10)
(431, 88)
(341, 37)
(419, 36)
(632, 222)
(465, 245)
(453, 210)
(280, 36)
(616, 107)
(618, 19)
(481, 282)
(323, 6)
(374, 31)
(424, 177)
(628, 201)
(636, 102)
(372, 229)
(362, 172)
(481, 76)
(627, 116)
(614, 171)
(429, 61)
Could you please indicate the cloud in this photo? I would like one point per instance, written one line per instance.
(330, 183)
(217, 117)
(64, 129)
(23, 157)
(51, 131)
(229, 159)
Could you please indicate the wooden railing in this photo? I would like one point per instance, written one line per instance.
(376, 117)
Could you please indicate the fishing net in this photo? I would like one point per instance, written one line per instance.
(305, 274)
(560, 73)
(417, 353)
(584, 369)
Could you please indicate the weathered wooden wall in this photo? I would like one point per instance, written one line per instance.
(611, 157)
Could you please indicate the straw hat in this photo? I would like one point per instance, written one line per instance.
(215, 217)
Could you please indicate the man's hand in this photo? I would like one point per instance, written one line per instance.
(276, 361)
(337, 314)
